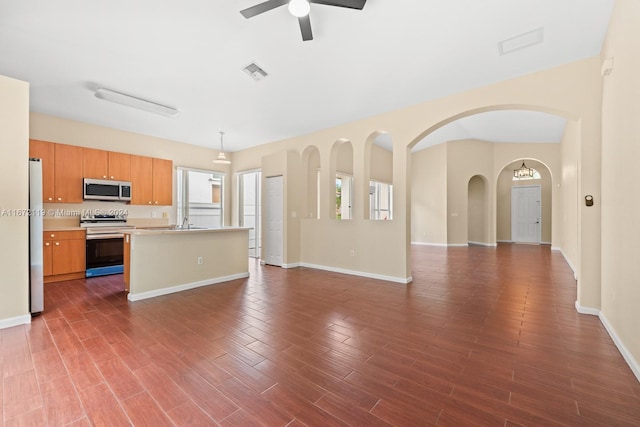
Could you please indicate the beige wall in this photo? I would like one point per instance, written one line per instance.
(14, 193)
(569, 203)
(381, 164)
(383, 247)
(72, 132)
(429, 195)
(620, 202)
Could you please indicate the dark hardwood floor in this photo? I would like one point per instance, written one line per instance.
(481, 337)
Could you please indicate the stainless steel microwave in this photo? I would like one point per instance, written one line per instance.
(102, 189)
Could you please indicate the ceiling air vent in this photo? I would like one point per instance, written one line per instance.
(521, 41)
(255, 71)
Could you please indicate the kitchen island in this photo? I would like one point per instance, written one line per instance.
(163, 261)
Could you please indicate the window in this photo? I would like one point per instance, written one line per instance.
(380, 200)
(200, 198)
(344, 185)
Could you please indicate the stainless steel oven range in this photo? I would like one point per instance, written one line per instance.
(105, 247)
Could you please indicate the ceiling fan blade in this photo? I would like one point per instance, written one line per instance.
(305, 28)
(262, 8)
(351, 4)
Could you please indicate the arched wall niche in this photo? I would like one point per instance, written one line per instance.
(378, 175)
(478, 211)
(340, 180)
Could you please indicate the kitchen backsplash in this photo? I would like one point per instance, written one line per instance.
(69, 213)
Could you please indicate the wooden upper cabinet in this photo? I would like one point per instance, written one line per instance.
(67, 174)
(95, 163)
(101, 164)
(119, 166)
(141, 180)
(45, 151)
(162, 182)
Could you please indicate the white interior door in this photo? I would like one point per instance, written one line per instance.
(273, 221)
(526, 221)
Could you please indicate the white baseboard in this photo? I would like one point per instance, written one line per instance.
(504, 241)
(626, 354)
(587, 310)
(575, 272)
(490, 245)
(292, 265)
(185, 287)
(444, 245)
(628, 357)
(358, 273)
(457, 245)
(15, 321)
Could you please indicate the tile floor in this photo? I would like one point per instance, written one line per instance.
(481, 337)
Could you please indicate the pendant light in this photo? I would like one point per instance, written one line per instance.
(222, 158)
(523, 172)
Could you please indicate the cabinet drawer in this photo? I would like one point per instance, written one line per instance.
(64, 235)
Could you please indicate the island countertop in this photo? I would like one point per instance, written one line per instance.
(178, 230)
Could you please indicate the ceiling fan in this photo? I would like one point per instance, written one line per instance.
(300, 9)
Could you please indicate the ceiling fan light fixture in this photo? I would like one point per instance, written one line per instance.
(299, 8)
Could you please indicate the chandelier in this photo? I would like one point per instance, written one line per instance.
(523, 172)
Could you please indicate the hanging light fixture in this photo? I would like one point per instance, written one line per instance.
(523, 172)
(222, 158)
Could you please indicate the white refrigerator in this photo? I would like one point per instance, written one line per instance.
(36, 213)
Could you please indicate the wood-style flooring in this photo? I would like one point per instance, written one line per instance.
(482, 336)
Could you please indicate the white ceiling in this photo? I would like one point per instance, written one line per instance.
(190, 54)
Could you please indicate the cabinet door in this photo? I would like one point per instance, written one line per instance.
(47, 258)
(141, 180)
(45, 151)
(119, 166)
(68, 174)
(162, 182)
(95, 163)
(69, 256)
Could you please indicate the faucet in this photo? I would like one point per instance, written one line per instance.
(185, 221)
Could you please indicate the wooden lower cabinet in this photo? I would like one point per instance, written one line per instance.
(64, 255)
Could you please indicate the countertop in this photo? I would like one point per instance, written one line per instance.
(165, 230)
(63, 228)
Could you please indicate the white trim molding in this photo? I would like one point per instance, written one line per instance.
(15, 321)
(185, 287)
(444, 245)
(626, 354)
(628, 357)
(587, 310)
(394, 279)
(559, 249)
(489, 245)
(292, 265)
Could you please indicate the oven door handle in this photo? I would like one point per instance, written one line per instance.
(105, 236)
